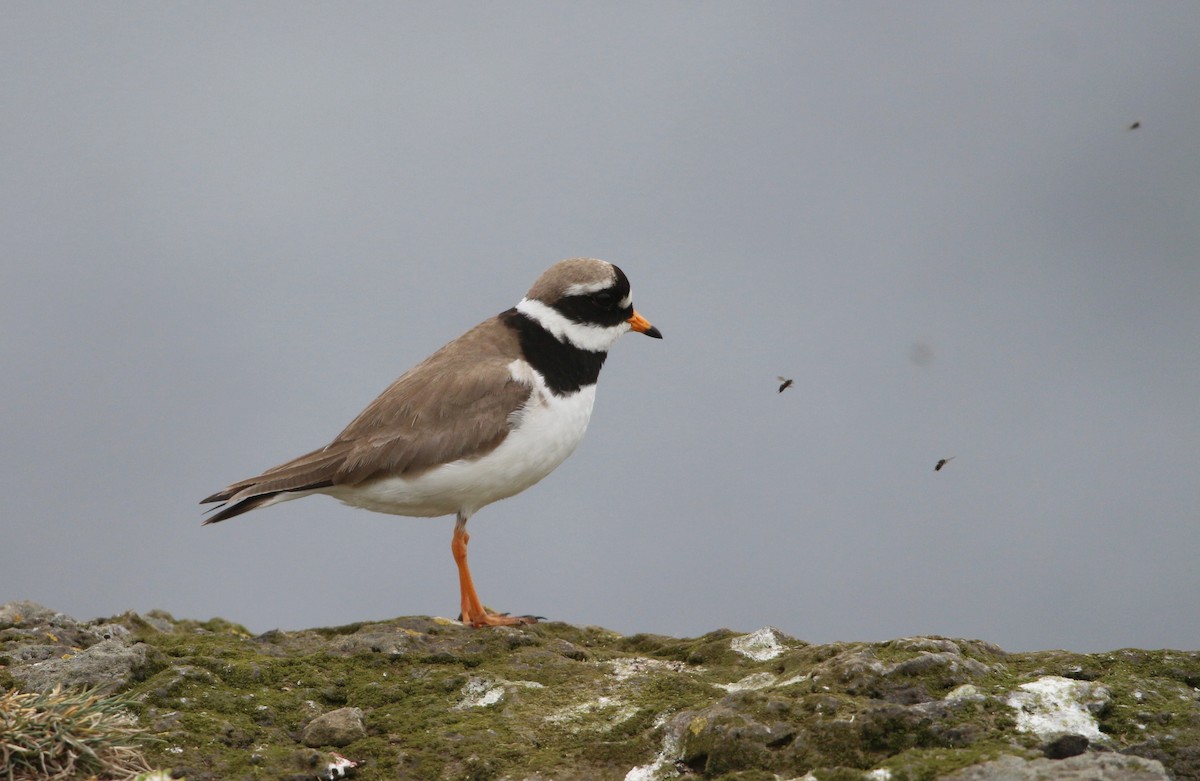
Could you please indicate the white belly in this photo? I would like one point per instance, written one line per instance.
(549, 430)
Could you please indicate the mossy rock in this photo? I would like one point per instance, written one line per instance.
(431, 699)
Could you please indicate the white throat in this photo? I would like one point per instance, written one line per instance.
(596, 338)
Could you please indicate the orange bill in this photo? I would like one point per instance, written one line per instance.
(642, 326)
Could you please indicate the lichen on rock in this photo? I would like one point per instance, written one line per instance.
(426, 698)
(338, 728)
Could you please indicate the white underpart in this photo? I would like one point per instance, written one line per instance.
(547, 430)
(597, 338)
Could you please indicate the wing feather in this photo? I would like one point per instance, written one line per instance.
(459, 403)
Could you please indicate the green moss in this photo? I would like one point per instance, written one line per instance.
(926, 764)
(711, 648)
(837, 774)
(756, 775)
(584, 703)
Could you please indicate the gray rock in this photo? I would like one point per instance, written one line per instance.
(1066, 746)
(336, 728)
(108, 665)
(1085, 767)
(721, 738)
(25, 614)
(33, 622)
(561, 701)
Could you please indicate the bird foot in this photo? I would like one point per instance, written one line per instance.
(492, 618)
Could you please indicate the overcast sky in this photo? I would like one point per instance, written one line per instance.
(225, 227)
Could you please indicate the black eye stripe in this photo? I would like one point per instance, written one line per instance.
(585, 309)
(590, 309)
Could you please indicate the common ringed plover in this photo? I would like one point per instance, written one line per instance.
(482, 419)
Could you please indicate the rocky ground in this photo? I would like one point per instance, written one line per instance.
(425, 698)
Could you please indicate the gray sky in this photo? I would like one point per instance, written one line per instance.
(226, 227)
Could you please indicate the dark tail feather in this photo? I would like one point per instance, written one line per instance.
(250, 502)
(244, 506)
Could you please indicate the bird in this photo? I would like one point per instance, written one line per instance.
(785, 383)
(942, 462)
(483, 418)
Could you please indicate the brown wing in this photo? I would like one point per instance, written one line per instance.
(457, 403)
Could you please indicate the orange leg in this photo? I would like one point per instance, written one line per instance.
(473, 611)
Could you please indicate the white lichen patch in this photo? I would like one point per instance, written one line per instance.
(967, 691)
(761, 645)
(749, 683)
(879, 774)
(624, 669)
(480, 692)
(598, 715)
(663, 764)
(795, 679)
(1053, 705)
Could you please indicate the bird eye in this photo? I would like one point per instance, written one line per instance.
(603, 299)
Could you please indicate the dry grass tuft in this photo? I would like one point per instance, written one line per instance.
(64, 734)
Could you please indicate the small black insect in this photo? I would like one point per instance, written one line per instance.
(1136, 125)
(942, 462)
(784, 384)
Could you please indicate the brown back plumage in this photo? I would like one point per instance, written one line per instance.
(457, 403)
